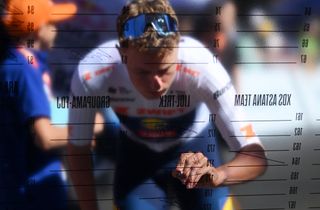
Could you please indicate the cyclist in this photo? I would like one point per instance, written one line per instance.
(168, 94)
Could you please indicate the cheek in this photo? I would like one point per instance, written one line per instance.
(168, 79)
(53, 36)
(137, 81)
(50, 33)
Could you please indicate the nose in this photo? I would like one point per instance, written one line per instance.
(156, 83)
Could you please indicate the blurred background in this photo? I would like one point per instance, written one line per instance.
(268, 47)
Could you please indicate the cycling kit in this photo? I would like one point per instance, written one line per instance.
(197, 106)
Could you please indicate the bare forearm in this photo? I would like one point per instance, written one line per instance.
(80, 172)
(48, 136)
(58, 137)
(248, 164)
(194, 170)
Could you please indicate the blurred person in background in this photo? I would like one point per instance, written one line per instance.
(95, 23)
(4, 42)
(216, 29)
(30, 166)
(164, 156)
(312, 50)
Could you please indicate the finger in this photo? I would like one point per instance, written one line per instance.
(196, 170)
(208, 179)
(191, 161)
(197, 160)
(178, 172)
(182, 160)
(201, 172)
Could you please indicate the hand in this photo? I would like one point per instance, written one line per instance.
(194, 170)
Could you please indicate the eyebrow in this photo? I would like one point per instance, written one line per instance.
(162, 69)
(166, 67)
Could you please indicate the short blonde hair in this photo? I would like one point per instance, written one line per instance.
(150, 40)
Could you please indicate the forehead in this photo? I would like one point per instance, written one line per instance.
(151, 59)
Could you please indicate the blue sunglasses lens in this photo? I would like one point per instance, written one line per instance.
(162, 25)
(135, 27)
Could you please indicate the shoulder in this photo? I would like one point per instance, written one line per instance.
(97, 65)
(19, 65)
(192, 51)
(196, 59)
(106, 53)
(13, 59)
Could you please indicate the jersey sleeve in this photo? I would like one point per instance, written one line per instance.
(215, 88)
(81, 120)
(89, 80)
(32, 97)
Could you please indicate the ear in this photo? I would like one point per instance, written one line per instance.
(122, 50)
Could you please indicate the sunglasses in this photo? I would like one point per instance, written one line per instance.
(163, 24)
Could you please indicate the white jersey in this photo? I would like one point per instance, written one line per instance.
(180, 115)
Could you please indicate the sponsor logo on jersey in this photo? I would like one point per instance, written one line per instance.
(103, 70)
(160, 112)
(112, 90)
(87, 76)
(220, 92)
(154, 124)
(248, 131)
(122, 110)
(186, 70)
(124, 90)
(156, 128)
(122, 99)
